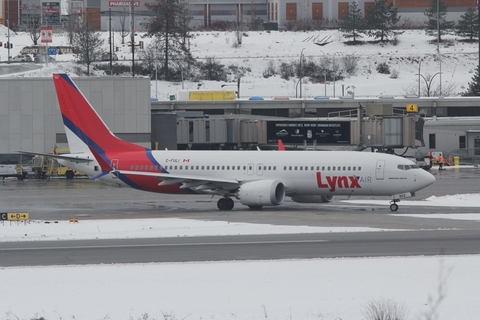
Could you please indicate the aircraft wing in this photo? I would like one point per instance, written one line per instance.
(197, 183)
(70, 156)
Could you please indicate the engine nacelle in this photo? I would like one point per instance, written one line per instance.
(261, 193)
(312, 199)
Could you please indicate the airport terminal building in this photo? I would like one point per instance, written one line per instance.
(30, 121)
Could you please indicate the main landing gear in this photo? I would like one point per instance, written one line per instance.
(225, 204)
(394, 205)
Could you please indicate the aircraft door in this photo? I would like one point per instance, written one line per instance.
(250, 169)
(114, 165)
(380, 170)
(259, 169)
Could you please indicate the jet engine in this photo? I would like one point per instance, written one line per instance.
(261, 193)
(312, 199)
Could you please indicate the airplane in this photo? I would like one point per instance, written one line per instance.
(255, 178)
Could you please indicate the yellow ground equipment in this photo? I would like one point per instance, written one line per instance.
(45, 166)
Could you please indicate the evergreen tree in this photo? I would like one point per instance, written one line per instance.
(382, 20)
(444, 26)
(474, 86)
(353, 24)
(169, 26)
(468, 25)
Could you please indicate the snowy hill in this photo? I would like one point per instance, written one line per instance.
(413, 51)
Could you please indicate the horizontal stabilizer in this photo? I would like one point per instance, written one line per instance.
(80, 157)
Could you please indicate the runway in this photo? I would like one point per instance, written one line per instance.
(251, 247)
(61, 199)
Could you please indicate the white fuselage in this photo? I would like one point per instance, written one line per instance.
(302, 173)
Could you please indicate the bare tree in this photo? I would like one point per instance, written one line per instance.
(238, 26)
(385, 309)
(72, 24)
(89, 43)
(31, 18)
(170, 28)
(123, 25)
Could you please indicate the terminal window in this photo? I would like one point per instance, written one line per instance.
(432, 141)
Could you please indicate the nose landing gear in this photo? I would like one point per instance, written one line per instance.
(394, 205)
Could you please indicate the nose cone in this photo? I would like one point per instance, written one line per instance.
(426, 179)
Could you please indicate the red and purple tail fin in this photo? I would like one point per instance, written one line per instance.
(83, 126)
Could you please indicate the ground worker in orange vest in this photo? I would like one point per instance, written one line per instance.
(440, 162)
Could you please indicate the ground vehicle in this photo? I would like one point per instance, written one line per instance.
(45, 166)
(22, 58)
(12, 170)
(106, 56)
(42, 58)
(20, 28)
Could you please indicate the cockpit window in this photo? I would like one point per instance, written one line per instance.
(407, 166)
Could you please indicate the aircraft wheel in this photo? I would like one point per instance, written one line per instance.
(225, 204)
(69, 174)
(394, 207)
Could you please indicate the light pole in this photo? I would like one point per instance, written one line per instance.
(428, 82)
(8, 31)
(325, 72)
(238, 87)
(301, 71)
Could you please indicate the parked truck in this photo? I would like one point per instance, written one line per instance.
(44, 166)
(12, 170)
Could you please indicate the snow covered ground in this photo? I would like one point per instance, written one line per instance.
(414, 53)
(428, 287)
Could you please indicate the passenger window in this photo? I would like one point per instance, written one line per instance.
(274, 168)
(296, 168)
(354, 168)
(344, 168)
(285, 168)
(349, 168)
(208, 167)
(223, 167)
(176, 167)
(131, 167)
(333, 168)
(359, 168)
(203, 167)
(328, 168)
(301, 167)
(228, 167)
(323, 168)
